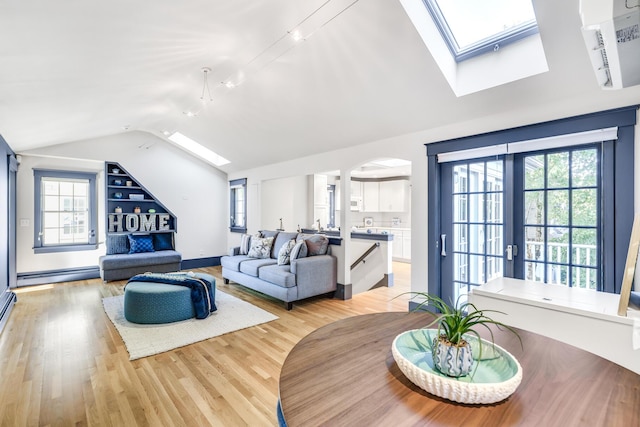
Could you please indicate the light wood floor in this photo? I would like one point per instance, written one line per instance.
(63, 363)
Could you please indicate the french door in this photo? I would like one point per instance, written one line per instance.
(532, 216)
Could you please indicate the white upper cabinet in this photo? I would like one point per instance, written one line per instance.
(394, 196)
(371, 196)
(356, 188)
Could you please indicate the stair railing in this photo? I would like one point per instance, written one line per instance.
(365, 255)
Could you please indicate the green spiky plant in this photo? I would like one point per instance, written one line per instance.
(456, 320)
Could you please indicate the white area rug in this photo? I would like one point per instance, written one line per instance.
(145, 340)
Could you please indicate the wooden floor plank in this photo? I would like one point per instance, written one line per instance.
(64, 363)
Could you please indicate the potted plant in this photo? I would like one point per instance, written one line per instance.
(450, 348)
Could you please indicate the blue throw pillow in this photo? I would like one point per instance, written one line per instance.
(117, 244)
(140, 243)
(163, 241)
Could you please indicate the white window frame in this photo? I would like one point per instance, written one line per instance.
(489, 44)
(92, 211)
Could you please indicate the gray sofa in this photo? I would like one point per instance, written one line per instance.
(119, 263)
(302, 278)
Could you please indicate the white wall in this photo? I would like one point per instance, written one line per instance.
(197, 193)
(27, 261)
(285, 198)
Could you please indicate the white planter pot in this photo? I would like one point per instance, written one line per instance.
(452, 360)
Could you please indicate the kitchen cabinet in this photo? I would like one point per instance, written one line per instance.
(394, 196)
(401, 243)
(370, 196)
(356, 188)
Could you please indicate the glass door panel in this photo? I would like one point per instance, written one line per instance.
(554, 220)
(560, 217)
(476, 225)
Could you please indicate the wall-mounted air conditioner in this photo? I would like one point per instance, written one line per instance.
(611, 30)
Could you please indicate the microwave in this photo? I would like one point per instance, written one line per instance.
(356, 203)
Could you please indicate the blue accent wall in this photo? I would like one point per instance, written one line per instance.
(8, 169)
(620, 157)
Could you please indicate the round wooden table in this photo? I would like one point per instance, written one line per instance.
(343, 374)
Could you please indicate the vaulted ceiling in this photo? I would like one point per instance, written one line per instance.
(74, 70)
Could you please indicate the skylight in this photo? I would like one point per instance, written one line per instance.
(473, 27)
(198, 149)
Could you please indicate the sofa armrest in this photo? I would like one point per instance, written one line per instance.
(315, 275)
(234, 251)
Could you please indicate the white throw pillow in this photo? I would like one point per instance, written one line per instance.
(285, 252)
(260, 248)
(245, 244)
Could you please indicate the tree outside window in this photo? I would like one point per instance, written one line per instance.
(561, 217)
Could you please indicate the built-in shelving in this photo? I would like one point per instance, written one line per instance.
(131, 207)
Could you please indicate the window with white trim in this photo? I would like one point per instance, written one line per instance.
(65, 217)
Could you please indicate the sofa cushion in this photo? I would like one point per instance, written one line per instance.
(252, 266)
(285, 252)
(298, 251)
(281, 239)
(317, 244)
(117, 244)
(139, 243)
(122, 261)
(233, 262)
(261, 248)
(278, 275)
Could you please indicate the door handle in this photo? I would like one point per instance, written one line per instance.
(443, 244)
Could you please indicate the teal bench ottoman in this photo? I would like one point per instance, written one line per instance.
(153, 303)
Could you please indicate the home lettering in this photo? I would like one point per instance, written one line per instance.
(138, 222)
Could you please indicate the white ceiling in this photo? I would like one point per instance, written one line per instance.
(73, 70)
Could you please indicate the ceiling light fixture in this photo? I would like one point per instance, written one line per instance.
(193, 112)
(312, 23)
(296, 35)
(205, 83)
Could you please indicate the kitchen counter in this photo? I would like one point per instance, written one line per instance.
(335, 239)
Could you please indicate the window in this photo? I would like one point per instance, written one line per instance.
(477, 223)
(197, 149)
(472, 27)
(561, 217)
(238, 202)
(550, 202)
(65, 211)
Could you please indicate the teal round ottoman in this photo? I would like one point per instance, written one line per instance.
(151, 303)
(157, 303)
